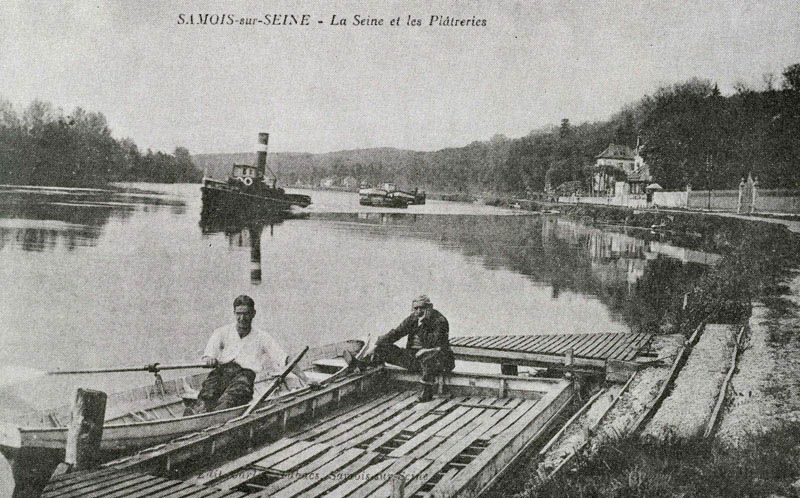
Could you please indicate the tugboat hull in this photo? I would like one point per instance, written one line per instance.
(221, 200)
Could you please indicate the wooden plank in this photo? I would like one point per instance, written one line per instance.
(400, 420)
(303, 472)
(350, 471)
(481, 341)
(638, 346)
(612, 343)
(555, 346)
(433, 411)
(181, 491)
(461, 415)
(374, 406)
(544, 344)
(429, 461)
(593, 352)
(503, 448)
(219, 473)
(633, 347)
(65, 479)
(288, 452)
(97, 483)
(580, 342)
(496, 343)
(621, 347)
(350, 486)
(521, 357)
(589, 345)
(146, 489)
(596, 345)
(367, 420)
(121, 488)
(519, 341)
(172, 491)
(300, 485)
(300, 458)
(247, 474)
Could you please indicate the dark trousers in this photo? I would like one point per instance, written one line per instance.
(226, 386)
(430, 366)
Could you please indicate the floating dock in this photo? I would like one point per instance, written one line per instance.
(593, 351)
(365, 435)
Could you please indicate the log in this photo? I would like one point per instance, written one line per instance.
(85, 431)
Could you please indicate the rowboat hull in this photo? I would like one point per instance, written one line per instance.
(29, 447)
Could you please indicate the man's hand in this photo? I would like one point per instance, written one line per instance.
(210, 361)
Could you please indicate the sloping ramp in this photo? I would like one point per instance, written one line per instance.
(587, 349)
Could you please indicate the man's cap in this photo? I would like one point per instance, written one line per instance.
(422, 300)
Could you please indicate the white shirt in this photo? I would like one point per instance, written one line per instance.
(256, 351)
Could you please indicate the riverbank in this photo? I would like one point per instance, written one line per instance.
(754, 451)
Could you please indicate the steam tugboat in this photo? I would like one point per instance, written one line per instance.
(248, 191)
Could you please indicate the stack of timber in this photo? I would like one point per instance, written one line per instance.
(365, 435)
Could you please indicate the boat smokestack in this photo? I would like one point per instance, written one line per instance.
(261, 153)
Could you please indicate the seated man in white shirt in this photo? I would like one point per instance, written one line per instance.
(238, 352)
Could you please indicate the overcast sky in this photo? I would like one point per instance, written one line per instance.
(321, 88)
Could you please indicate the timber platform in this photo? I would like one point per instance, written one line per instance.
(589, 351)
(364, 435)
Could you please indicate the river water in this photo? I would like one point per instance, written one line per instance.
(131, 276)
(107, 278)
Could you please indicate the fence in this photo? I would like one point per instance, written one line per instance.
(748, 199)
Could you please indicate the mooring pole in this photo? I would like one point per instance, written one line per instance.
(84, 432)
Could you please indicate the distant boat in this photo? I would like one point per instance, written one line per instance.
(388, 195)
(247, 190)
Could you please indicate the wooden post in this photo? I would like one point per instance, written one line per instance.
(84, 432)
(398, 485)
(568, 360)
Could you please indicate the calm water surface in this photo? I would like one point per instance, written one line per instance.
(96, 278)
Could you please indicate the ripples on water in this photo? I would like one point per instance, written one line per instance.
(132, 275)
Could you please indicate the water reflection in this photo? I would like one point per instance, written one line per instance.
(245, 231)
(38, 219)
(639, 276)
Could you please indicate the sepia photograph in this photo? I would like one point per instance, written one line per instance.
(400, 249)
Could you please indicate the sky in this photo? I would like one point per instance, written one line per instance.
(323, 87)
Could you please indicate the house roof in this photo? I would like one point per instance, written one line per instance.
(616, 152)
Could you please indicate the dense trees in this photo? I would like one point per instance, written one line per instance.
(690, 134)
(44, 146)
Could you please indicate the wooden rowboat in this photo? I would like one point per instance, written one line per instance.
(148, 415)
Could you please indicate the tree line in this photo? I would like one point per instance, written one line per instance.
(690, 134)
(45, 146)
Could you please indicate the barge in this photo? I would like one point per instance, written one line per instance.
(363, 435)
(388, 195)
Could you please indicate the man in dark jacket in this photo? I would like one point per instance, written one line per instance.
(427, 348)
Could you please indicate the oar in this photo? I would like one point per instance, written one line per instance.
(152, 368)
(10, 375)
(254, 404)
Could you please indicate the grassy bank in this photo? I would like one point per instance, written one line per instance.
(756, 259)
(767, 465)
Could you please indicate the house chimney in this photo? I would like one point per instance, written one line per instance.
(261, 153)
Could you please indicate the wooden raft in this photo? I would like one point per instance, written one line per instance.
(455, 445)
(591, 350)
